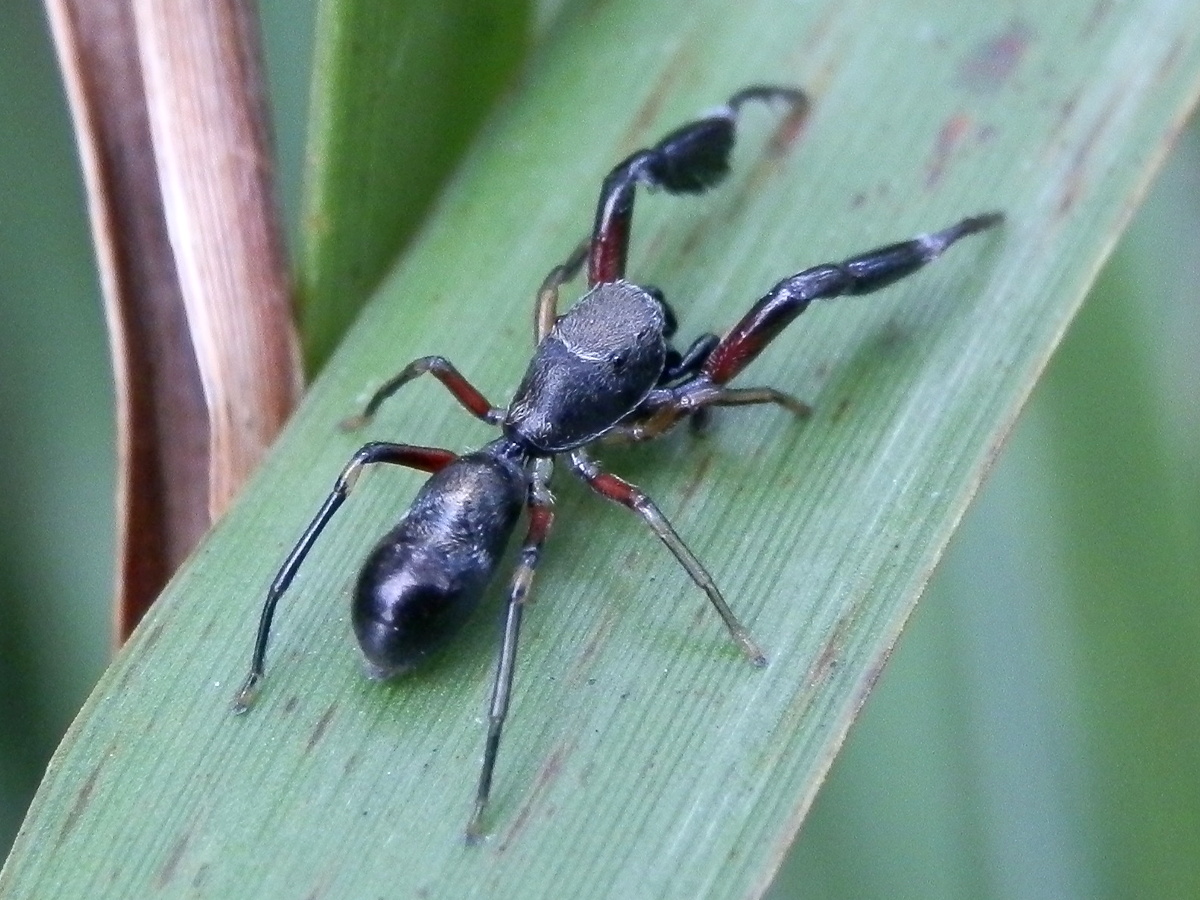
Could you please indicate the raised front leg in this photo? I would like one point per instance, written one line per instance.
(689, 160)
(632, 497)
(858, 275)
(713, 363)
(425, 459)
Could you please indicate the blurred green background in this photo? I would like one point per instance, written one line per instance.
(1037, 731)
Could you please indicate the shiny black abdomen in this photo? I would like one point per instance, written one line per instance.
(595, 366)
(427, 575)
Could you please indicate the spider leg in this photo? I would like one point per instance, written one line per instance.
(690, 361)
(752, 396)
(541, 517)
(545, 311)
(713, 364)
(632, 497)
(425, 459)
(858, 275)
(444, 371)
(689, 160)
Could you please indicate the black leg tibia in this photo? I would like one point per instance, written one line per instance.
(444, 371)
(689, 362)
(879, 268)
(425, 459)
(860, 274)
(689, 160)
(541, 517)
(700, 420)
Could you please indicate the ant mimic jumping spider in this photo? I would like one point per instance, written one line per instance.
(603, 370)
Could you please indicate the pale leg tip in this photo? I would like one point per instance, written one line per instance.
(757, 658)
(474, 835)
(247, 695)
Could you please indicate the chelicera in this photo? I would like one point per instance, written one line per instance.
(606, 369)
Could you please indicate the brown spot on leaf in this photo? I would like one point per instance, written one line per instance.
(831, 654)
(1169, 61)
(1074, 182)
(155, 633)
(693, 483)
(782, 141)
(890, 338)
(1098, 14)
(871, 680)
(948, 140)
(993, 62)
(1067, 109)
(596, 638)
(82, 799)
(201, 876)
(166, 874)
(648, 113)
(546, 776)
(319, 731)
(840, 410)
(788, 131)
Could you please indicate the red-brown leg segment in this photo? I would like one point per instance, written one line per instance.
(441, 369)
(425, 459)
(630, 496)
(858, 275)
(689, 160)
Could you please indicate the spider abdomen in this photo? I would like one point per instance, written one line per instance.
(427, 575)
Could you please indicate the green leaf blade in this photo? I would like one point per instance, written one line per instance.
(643, 756)
(398, 91)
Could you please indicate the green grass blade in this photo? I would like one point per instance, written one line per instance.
(398, 90)
(643, 757)
(1025, 739)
